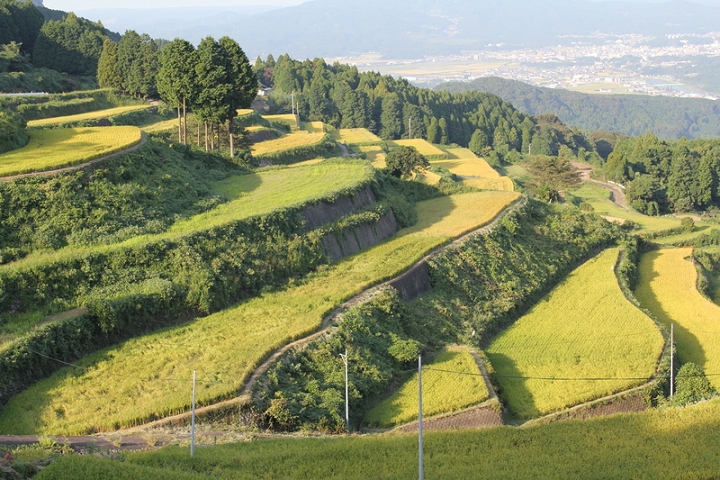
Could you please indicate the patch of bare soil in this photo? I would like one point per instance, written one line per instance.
(479, 417)
(631, 403)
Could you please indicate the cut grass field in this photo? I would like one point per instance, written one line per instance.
(355, 136)
(668, 289)
(442, 392)
(599, 198)
(51, 149)
(247, 195)
(96, 115)
(668, 444)
(287, 142)
(149, 377)
(584, 329)
(422, 146)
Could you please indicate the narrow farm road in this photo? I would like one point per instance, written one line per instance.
(617, 197)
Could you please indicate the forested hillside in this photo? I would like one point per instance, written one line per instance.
(666, 117)
(342, 96)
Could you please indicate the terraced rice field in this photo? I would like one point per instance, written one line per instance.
(668, 289)
(375, 155)
(475, 171)
(443, 392)
(355, 136)
(583, 330)
(287, 142)
(287, 118)
(98, 114)
(164, 126)
(422, 146)
(247, 195)
(151, 375)
(56, 148)
(599, 198)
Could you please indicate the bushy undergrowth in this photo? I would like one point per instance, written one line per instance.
(12, 131)
(137, 193)
(479, 287)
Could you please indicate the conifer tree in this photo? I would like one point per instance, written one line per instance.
(108, 74)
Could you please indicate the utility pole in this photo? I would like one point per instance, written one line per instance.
(672, 360)
(347, 398)
(421, 472)
(192, 420)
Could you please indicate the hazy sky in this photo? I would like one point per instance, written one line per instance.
(69, 5)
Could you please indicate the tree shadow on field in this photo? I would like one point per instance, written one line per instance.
(237, 186)
(512, 388)
(688, 346)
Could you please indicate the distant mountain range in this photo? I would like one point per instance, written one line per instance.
(411, 28)
(668, 118)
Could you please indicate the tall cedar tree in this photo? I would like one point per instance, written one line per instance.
(242, 80)
(108, 74)
(177, 81)
(138, 64)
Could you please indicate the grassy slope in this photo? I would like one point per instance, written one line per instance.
(248, 195)
(668, 289)
(599, 198)
(442, 392)
(86, 116)
(130, 381)
(49, 149)
(671, 444)
(584, 328)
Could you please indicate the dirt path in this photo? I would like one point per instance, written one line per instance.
(617, 197)
(346, 152)
(47, 173)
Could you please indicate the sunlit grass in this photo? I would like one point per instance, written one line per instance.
(585, 328)
(668, 289)
(56, 148)
(132, 381)
(442, 392)
(97, 114)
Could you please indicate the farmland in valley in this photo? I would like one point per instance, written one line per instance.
(443, 392)
(149, 374)
(50, 149)
(667, 288)
(584, 329)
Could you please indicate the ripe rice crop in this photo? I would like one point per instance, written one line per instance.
(86, 116)
(287, 118)
(149, 377)
(422, 146)
(668, 289)
(442, 392)
(287, 142)
(50, 149)
(313, 127)
(667, 443)
(162, 126)
(355, 136)
(475, 171)
(584, 329)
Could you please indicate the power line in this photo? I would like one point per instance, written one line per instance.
(523, 377)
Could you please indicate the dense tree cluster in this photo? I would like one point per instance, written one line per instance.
(72, 45)
(20, 22)
(342, 96)
(667, 176)
(12, 130)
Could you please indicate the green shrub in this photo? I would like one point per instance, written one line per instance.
(12, 131)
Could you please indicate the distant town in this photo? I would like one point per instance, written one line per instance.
(597, 64)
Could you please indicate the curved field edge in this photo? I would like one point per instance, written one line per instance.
(149, 377)
(97, 114)
(51, 149)
(670, 443)
(584, 333)
(443, 392)
(668, 289)
(247, 196)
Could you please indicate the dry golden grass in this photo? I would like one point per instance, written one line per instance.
(62, 147)
(668, 289)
